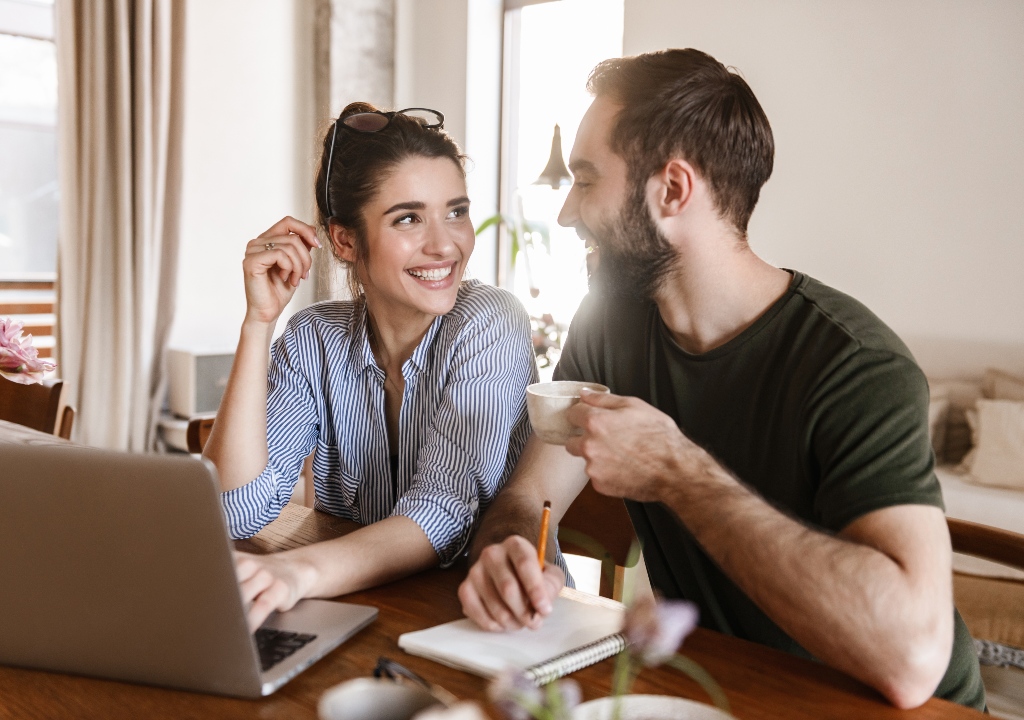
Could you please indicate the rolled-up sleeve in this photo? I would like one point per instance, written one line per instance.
(292, 427)
(477, 430)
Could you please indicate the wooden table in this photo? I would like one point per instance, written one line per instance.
(760, 683)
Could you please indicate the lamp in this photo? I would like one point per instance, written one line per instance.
(555, 173)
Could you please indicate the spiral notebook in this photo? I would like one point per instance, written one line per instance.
(581, 630)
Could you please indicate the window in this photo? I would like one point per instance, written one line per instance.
(28, 171)
(551, 48)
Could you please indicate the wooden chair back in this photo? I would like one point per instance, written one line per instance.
(989, 543)
(598, 526)
(198, 432)
(34, 406)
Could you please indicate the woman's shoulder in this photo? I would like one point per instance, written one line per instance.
(332, 317)
(478, 300)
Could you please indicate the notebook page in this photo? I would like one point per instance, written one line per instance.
(576, 620)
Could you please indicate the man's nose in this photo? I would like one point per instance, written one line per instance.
(569, 215)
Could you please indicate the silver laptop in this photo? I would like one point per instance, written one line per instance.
(118, 565)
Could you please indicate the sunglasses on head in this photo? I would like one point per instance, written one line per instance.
(374, 121)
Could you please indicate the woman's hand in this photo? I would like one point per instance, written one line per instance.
(271, 582)
(274, 265)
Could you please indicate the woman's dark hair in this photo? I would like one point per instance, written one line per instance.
(361, 162)
(686, 103)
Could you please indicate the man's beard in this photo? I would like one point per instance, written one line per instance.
(635, 257)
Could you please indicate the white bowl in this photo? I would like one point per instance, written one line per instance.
(649, 707)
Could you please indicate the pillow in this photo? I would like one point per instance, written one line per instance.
(998, 455)
(938, 411)
(997, 385)
(962, 395)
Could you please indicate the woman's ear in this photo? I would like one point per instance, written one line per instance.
(343, 241)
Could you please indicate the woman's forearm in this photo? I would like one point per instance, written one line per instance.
(238, 442)
(385, 551)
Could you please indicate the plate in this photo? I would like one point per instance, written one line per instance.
(649, 707)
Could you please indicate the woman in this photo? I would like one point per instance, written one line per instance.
(412, 395)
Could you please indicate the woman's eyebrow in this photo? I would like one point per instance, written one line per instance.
(411, 205)
(459, 201)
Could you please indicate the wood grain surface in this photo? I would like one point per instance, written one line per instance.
(761, 683)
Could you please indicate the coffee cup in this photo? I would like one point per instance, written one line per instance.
(548, 404)
(375, 699)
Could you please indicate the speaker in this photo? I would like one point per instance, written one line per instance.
(196, 381)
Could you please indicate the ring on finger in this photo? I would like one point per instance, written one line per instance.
(270, 246)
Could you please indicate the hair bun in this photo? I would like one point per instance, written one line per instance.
(358, 107)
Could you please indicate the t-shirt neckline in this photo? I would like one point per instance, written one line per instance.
(797, 282)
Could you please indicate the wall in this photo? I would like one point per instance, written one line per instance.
(899, 154)
(448, 57)
(249, 152)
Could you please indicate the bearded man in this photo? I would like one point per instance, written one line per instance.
(768, 433)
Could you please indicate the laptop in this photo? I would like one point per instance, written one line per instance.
(119, 566)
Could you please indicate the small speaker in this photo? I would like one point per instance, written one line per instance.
(196, 381)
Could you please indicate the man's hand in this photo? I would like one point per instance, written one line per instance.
(506, 590)
(269, 583)
(632, 449)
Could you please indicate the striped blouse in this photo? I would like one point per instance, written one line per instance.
(462, 425)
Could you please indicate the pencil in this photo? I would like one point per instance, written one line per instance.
(542, 541)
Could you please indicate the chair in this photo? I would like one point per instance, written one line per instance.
(198, 432)
(994, 612)
(34, 406)
(598, 526)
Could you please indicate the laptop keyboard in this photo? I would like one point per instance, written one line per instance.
(275, 645)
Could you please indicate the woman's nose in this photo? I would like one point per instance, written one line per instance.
(438, 239)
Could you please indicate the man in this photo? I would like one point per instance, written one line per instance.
(768, 433)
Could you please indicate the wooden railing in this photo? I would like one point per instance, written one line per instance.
(32, 302)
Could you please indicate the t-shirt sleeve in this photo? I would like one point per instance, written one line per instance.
(477, 431)
(868, 435)
(581, 353)
(292, 428)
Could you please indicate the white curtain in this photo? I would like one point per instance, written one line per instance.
(120, 70)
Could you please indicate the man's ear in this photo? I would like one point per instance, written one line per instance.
(342, 240)
(675, 186)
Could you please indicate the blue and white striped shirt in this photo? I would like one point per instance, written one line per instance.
(462, 425)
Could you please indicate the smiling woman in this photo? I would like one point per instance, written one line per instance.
(412, 394)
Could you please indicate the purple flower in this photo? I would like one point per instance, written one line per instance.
(655, 629)
(19, 361)
(514, 695)
(517, 698)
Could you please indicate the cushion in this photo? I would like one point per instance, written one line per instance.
(938, 413)
(998, 385)
(998, 455)
(993, 609)
(961, 395)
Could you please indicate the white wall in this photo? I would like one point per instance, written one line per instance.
(249, 152)
(448, 57)
(899, 167)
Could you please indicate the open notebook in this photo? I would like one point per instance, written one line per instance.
(581, 630)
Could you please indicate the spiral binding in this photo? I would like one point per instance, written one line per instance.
(576, 659)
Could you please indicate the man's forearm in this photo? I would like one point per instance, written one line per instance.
(848, 603)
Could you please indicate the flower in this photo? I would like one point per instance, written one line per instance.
(654, 630)
(517, 697)
(19, 361)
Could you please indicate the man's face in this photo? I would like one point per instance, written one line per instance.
(611, 217)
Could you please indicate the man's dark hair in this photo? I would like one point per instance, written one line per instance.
(685, 103)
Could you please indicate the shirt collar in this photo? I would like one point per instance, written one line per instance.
(360, 354)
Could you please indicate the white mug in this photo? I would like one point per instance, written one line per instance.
(548, 404)
(375, 699)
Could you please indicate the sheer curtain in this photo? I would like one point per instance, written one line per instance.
(120, 66)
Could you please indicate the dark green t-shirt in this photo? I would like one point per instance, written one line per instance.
(818, 406)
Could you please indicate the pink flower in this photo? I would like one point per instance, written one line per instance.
(655, 629)
(19, 361)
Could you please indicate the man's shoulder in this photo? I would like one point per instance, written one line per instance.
(846, 316)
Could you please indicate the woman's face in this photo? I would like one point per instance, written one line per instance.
(418, 240)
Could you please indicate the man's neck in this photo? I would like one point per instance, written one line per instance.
(718, 289)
